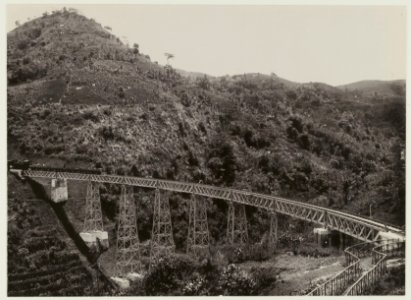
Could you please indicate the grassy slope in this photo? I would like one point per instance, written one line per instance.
(78, 96)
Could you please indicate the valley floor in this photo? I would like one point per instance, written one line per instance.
(298, 274)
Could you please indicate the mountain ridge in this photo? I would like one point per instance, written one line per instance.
(103, 30)
(381, 87)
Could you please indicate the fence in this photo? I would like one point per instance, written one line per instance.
(338, 283)
(380, 254)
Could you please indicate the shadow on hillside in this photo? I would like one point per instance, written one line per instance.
(103, 284)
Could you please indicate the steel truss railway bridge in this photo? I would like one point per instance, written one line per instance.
(378, 240)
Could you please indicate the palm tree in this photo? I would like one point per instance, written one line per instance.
(168, 56)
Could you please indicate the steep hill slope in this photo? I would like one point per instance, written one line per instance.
(78, 97)
(42, 259)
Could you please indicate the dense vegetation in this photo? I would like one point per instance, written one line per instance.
(79, 97)
(392, 283)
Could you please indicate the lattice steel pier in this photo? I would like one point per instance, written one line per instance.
(237, 224)
(128, 252)
(93, 228)
(162, 241)
(198, 240)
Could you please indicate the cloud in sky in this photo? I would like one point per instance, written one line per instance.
(332, 44)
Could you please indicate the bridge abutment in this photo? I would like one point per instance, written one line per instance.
(59, 192)
(322, 236)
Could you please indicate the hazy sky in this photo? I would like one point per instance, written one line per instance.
(332, 44)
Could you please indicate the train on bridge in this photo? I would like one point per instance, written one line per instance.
(28, 165)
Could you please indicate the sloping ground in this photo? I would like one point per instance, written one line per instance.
(298, 274)
(42, 261)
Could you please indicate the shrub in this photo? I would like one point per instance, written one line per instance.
(136, 49)
(81, 149)
(91, 116)
(238, 254)
(291, 94)
(107, 132)
(23, 44)
(26, 60)
(292, 133)
(203, 83)
(222, 161)
(304, 141)
(168, 275)
(26, 73)
(234, 281)
(313, 250)
(35, 33)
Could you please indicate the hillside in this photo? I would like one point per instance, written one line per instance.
(376, 88)
(42, 260)
(78, 97)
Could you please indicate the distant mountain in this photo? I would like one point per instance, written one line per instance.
(376, 87)
(192, 75)
(251, 77)
(258, 77)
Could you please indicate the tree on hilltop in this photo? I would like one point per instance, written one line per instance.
(169, 56)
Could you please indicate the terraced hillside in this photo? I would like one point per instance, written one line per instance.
(42, 260)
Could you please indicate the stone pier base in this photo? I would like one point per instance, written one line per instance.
(90, 238)
(59, 192)
(322, 236)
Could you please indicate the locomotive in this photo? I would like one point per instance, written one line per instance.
(27, 165)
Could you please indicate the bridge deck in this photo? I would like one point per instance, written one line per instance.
(358, 227)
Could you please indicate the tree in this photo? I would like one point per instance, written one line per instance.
(168, 56)
(135, 48)
(203, 82)
(73, 10)
(17, 23)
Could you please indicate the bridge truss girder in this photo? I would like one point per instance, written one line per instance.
(358, 227)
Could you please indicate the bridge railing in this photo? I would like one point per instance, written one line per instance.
(383, 251)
